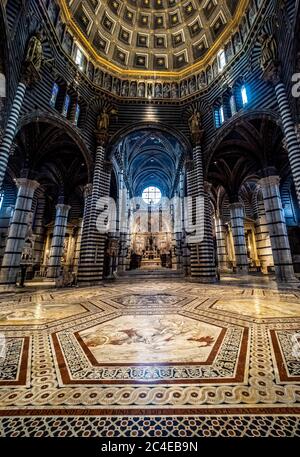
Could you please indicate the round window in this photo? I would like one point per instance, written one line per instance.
(151, 195)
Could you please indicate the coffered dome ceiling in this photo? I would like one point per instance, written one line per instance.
(131, 36)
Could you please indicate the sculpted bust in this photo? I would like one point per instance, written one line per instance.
(269, 50)
(34, 54)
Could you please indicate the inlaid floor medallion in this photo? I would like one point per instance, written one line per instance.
(165, 353)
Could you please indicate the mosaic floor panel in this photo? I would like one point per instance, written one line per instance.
(150, 359)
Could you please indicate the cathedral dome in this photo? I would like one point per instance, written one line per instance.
(147, 36)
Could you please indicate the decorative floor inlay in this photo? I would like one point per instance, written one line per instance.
(38, 313)
(181, 356)
(14, 363)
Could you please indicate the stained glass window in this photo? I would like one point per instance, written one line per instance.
(232, 105)
(244, 95)
(54, 94)
(66, 105)
(151, 195)
(221, 60)
(1, 198)
(77, 114)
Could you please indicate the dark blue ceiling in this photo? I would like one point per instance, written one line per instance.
(151, 158)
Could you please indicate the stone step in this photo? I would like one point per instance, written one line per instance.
(151, 273)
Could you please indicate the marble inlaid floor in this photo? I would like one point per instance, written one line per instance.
(150, 358)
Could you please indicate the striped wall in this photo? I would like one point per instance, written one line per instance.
(132, 112)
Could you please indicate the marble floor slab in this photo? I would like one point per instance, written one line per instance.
(150, 359)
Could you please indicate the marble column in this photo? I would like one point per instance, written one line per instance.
(77, 246)
(238, 234)
(122, 224)
(10, 130)
(221, 243)
(39, 229)
(90, 270)
(291, 138)
(17, 231)
(263, 242)
(202, 257)
(57, 244)
(277, 229)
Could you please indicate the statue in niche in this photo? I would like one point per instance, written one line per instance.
(125, 88)
(195, 123)
(229, 51)
(209, 74)
(141, 90)
(116, 86)
(98, 75)
(184, 89)
(34, 54)
(103, 119)
(174, 90)
(252, 13)
(133, 89)
(90, 71)
(237, 42)
(192, 86)
(158, 91)
(269, 50)
(244, 28)
(201, 80)
(149, 90)
(107, 82)
(215, 68)
(67, 43)
(166, 90)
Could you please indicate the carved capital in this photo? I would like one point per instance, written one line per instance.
(197, 137)
(88, 189)
(236, 206)
(30, 75)
(207, 187)
(107, 166)
(189, 165)
(62, 209)
(102, 137)
(27, 183)
(269, 181)
(272, 72)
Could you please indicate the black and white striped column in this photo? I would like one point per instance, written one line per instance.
(91, 263)
(237, 215)
(221, 243)
(57, 243)
(203, 268)
(262, 238)
(291, 138)
(77, 247)
(39, 229)
(277, 229)
(17, 231)
(10, 130)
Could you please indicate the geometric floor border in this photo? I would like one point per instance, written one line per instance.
(151, 426)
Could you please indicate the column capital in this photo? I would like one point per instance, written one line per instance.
(272, 73)
(197, 137)
(63, 207)
(28, 183)
(207, 186)
(269, 181)
(102, 137)
(88, 189)
(236, 205)
(30, 75)
(189, 164)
